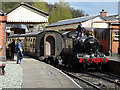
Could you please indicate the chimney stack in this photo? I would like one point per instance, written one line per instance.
(103, 13)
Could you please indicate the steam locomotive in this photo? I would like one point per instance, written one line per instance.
(52, 46)
(84, 52)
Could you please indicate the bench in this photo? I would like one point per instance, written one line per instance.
(2, 71)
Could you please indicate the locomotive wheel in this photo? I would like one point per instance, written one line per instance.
(84, 67)
(75, 66)
(65, 63)
(55, 62)
(48, 61)
(100, 68)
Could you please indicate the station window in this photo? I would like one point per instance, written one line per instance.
(104, 36)
(115, 35)
(97, 35)
(33, 43)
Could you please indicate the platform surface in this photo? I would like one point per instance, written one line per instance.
(114, 58)
(37, 74)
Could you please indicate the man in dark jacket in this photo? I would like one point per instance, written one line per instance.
(79, 30)
(12, 46)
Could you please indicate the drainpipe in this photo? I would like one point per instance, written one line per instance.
(110, 48)
(119, 37)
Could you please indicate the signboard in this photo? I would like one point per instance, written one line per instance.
(115, 35)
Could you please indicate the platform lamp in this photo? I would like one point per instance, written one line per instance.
(2, 34)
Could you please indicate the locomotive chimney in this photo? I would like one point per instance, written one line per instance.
(103, 13)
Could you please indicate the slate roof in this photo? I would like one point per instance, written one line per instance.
(111, 18)
(71, 21)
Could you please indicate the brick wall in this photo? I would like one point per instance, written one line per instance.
(115, 44)
(2, 37)
(105, 43)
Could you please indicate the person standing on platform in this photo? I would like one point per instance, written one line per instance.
(19, 51)
(11, 49)
(79, 30)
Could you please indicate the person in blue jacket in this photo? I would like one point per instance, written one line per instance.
(19, 51)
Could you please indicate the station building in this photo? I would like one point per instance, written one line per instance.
(24, 14)
(109, 39)
(106, 29)
(21, 14)
(27, 15)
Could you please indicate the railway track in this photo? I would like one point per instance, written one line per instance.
(83, 80)
(106, 76)
(95, 80)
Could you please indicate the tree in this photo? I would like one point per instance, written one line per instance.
(7, 6)
(60, 12)
(77, 13)
(41, 5)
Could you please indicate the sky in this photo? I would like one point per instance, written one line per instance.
(94, 8)
(91, 7)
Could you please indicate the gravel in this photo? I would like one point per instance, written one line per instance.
(13, 76)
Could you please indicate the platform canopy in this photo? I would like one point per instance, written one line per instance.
(26, 14)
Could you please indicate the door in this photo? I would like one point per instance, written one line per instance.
(47, 48)
(50, 46)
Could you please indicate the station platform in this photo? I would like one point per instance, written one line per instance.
(113, 65)
(37, 74)
(114, 58)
